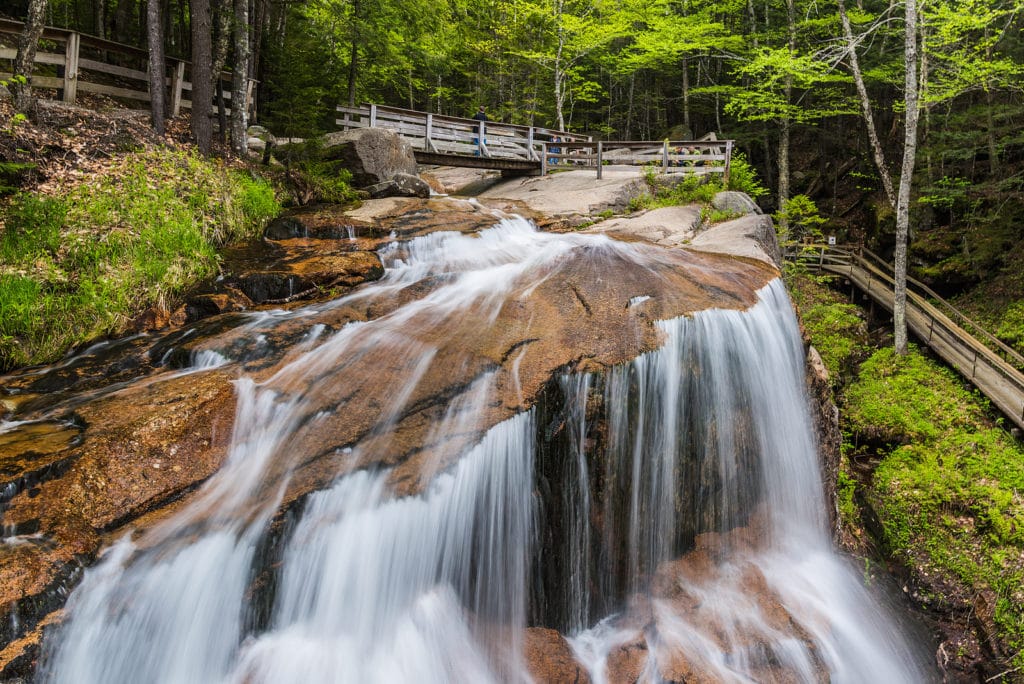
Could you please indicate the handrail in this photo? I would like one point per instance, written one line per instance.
(70, 83)
(1013, 355)
(874, 268)
(439, 135)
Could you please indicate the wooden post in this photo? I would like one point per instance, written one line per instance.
(428, 145)
(664, 157)
(530, 152)
(600, 163)
(71, 67)
(177, 82)
(543, 158)
(728, 160)
(373, 116)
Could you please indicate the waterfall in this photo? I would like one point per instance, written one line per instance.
(704, 446)
(706, 436)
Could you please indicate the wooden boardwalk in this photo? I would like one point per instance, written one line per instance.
(991, 366)
(454, 141)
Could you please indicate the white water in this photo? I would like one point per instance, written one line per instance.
(719, 424)
(434, 588)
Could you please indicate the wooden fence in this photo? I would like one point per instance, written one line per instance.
(446, 138)
(71, 62)
(439, 134)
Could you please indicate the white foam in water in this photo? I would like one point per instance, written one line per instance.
(372, 587)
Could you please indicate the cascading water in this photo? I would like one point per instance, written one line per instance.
(704, 436)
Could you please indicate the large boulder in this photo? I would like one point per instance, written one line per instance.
(735, 202)
(372, 155)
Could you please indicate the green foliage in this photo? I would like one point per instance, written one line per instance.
(313, 179)
(743, 177)
(800, 213)
(948, 493)
(32, 228)
(835, 328)
(692, 189)
(1011, 326)
(82, 265)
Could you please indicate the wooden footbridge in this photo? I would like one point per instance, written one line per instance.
(988, 363)
(531, 150)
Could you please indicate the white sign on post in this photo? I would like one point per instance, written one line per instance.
(831, 239)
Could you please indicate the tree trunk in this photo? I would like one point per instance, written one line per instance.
(25, 58)
(865, 106)
(559, 69)
(222, 12)
(239, 91)
(100, 8)
(353, 58)
(157, 65)
(202, 78)
(899, 312)
(785, 123)
(686, 95)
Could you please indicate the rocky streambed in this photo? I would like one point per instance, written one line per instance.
(120, 438)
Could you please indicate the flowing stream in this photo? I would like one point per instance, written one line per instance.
(702, 450)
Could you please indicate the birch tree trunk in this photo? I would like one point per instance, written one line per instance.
(865, 106)
(240, 86)
(24, 60)
(785, 123)
(157, 65)
(899, 313)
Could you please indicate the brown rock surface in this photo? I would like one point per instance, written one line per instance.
(549, 658)
(128, 451)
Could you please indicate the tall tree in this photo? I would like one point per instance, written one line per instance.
(24, 60)
(877, 152)
(157, 65)
(239, 91)
(910, 65)
(202, 76)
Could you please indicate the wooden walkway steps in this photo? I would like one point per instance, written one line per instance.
(991, 366)
(454, 141)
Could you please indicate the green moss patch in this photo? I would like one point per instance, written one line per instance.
(949, 488)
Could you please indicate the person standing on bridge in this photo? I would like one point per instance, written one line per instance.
(480, 116)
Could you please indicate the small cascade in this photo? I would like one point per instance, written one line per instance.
(673, 499)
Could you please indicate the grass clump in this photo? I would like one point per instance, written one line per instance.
(697, 188)
(84, 264)
(949, 488)
(835, 327)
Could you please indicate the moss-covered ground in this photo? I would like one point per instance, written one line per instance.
(944, 478)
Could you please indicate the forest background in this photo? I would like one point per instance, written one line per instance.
(815, 94)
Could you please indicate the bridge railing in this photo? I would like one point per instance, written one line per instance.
(440, 134)
(944, 321)
(436, 134)
(89, 64)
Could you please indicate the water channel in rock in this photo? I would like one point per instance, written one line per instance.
(660, 507)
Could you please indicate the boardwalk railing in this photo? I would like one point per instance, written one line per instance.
(979, 356)
(95, 65)
(435, 133)
(438, 137)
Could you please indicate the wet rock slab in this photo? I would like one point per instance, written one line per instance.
(123, 454)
